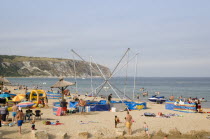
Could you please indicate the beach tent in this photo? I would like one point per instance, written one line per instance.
(36, 95)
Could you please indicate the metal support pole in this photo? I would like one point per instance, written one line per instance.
(134, 79)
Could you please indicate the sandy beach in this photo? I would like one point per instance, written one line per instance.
(102, 123)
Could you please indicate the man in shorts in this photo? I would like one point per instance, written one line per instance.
(14, 112)
(20, 117)
(82, 104)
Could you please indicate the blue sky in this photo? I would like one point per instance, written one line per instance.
(172, 37)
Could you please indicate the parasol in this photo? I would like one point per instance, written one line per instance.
(4, 95)
(25, 104)
(18, 98)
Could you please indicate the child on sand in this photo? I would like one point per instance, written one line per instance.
(146, 129)
(33, 125)
(116, 120)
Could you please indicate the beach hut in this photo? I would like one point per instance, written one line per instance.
(62, 85)
(2, 82)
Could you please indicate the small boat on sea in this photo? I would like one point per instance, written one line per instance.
(203, 100)
(155, 98)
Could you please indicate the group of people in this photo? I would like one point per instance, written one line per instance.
(17, 116)
(81, 106)
(128, 123)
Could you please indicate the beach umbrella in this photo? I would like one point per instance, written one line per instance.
(25, 104)
(3, 81)
(18, 98)
(62, 85)
(4, 95)
(12, 94)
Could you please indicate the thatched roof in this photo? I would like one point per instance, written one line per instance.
(62, 83)
(4, 80)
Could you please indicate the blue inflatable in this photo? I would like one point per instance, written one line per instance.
(103, 106)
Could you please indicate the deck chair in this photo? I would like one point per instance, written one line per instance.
(28, 114)
(38, 114)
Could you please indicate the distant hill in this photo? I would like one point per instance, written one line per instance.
(22, 66)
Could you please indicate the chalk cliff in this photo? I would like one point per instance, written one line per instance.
(22, 66)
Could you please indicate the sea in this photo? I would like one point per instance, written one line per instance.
(129, 87)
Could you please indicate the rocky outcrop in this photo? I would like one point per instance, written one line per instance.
(39, 134)
(21, 66)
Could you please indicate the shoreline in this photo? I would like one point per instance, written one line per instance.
(53, 77)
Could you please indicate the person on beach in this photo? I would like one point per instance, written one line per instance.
(109, 98)
(82, 104)
(33, 125)
(146, 130)
(7, 111)
(3, 112)
(46, 102)
(116, 120)
(28, 114)
(63, 104)
(41, 103)
(128, 123)
(20, 117)
(14, 112)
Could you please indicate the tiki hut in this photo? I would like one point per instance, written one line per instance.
(62, 85)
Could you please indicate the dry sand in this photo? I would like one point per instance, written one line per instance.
(104, 122)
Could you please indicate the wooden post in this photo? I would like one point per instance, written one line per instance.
(62, 94)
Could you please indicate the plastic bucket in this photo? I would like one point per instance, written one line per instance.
(113, 109)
